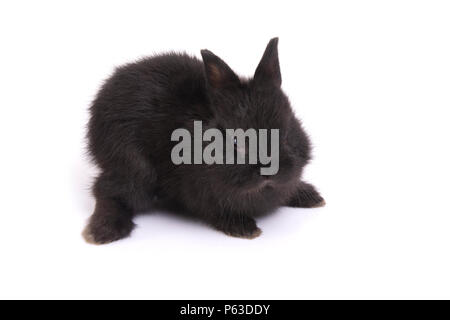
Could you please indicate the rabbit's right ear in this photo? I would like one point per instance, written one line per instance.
(268, 70)
(218, 73)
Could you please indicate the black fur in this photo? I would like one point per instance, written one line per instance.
(132, 119)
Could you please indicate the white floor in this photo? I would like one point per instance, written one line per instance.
(371, 83)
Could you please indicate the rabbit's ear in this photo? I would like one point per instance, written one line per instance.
(268, 70)
(218, 73)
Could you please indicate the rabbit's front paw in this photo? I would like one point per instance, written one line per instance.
(240, 227)
(306, 196)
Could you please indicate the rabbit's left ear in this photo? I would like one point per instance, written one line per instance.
(218, 74)
(268, 70)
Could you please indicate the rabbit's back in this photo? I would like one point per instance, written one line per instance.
(140, 105)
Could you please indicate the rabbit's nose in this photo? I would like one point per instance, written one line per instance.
(264, 177)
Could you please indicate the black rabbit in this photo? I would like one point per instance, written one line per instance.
(129, 133)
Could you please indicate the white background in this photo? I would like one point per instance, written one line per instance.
(370, 81)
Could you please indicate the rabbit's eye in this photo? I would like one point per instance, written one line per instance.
(235, 141)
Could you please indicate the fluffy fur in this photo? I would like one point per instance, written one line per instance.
(132, 119)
